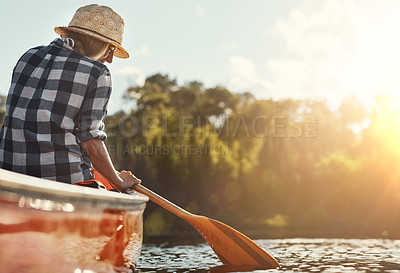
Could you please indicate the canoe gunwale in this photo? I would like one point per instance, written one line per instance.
(14, 186)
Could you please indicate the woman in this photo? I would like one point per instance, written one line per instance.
(57, 102)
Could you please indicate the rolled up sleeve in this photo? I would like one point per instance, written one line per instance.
(94, 109)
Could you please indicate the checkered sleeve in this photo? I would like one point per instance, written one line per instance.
(94, 109)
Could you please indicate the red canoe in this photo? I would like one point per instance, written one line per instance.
(46, 226)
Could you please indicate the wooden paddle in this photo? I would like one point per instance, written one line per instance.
(231, 246)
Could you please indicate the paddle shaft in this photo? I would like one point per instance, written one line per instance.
(161, 201)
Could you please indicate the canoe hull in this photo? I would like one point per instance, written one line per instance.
(42, 234)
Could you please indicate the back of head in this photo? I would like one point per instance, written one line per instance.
(86, 45)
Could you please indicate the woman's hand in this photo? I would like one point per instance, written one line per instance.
(98, 154)
(128, 179)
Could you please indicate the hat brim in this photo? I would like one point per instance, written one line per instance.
(120, 52)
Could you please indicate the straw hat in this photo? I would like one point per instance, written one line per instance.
(100, 22)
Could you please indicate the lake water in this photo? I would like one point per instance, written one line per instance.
(294, 255)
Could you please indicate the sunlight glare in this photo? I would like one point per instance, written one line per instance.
(375, 67)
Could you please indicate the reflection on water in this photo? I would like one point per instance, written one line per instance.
(295, 255)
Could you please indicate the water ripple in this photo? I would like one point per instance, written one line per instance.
(295, 255)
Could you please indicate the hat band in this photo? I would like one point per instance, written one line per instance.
(96, 33)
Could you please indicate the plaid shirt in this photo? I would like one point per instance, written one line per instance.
(57, 99)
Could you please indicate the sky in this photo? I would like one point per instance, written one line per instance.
(301, 49)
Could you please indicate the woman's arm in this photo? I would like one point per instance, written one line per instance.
(98, 154)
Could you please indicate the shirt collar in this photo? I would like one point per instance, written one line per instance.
(58, 42)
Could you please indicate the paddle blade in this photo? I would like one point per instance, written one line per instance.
(231, 246)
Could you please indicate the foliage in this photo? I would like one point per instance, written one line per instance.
(291, 166)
